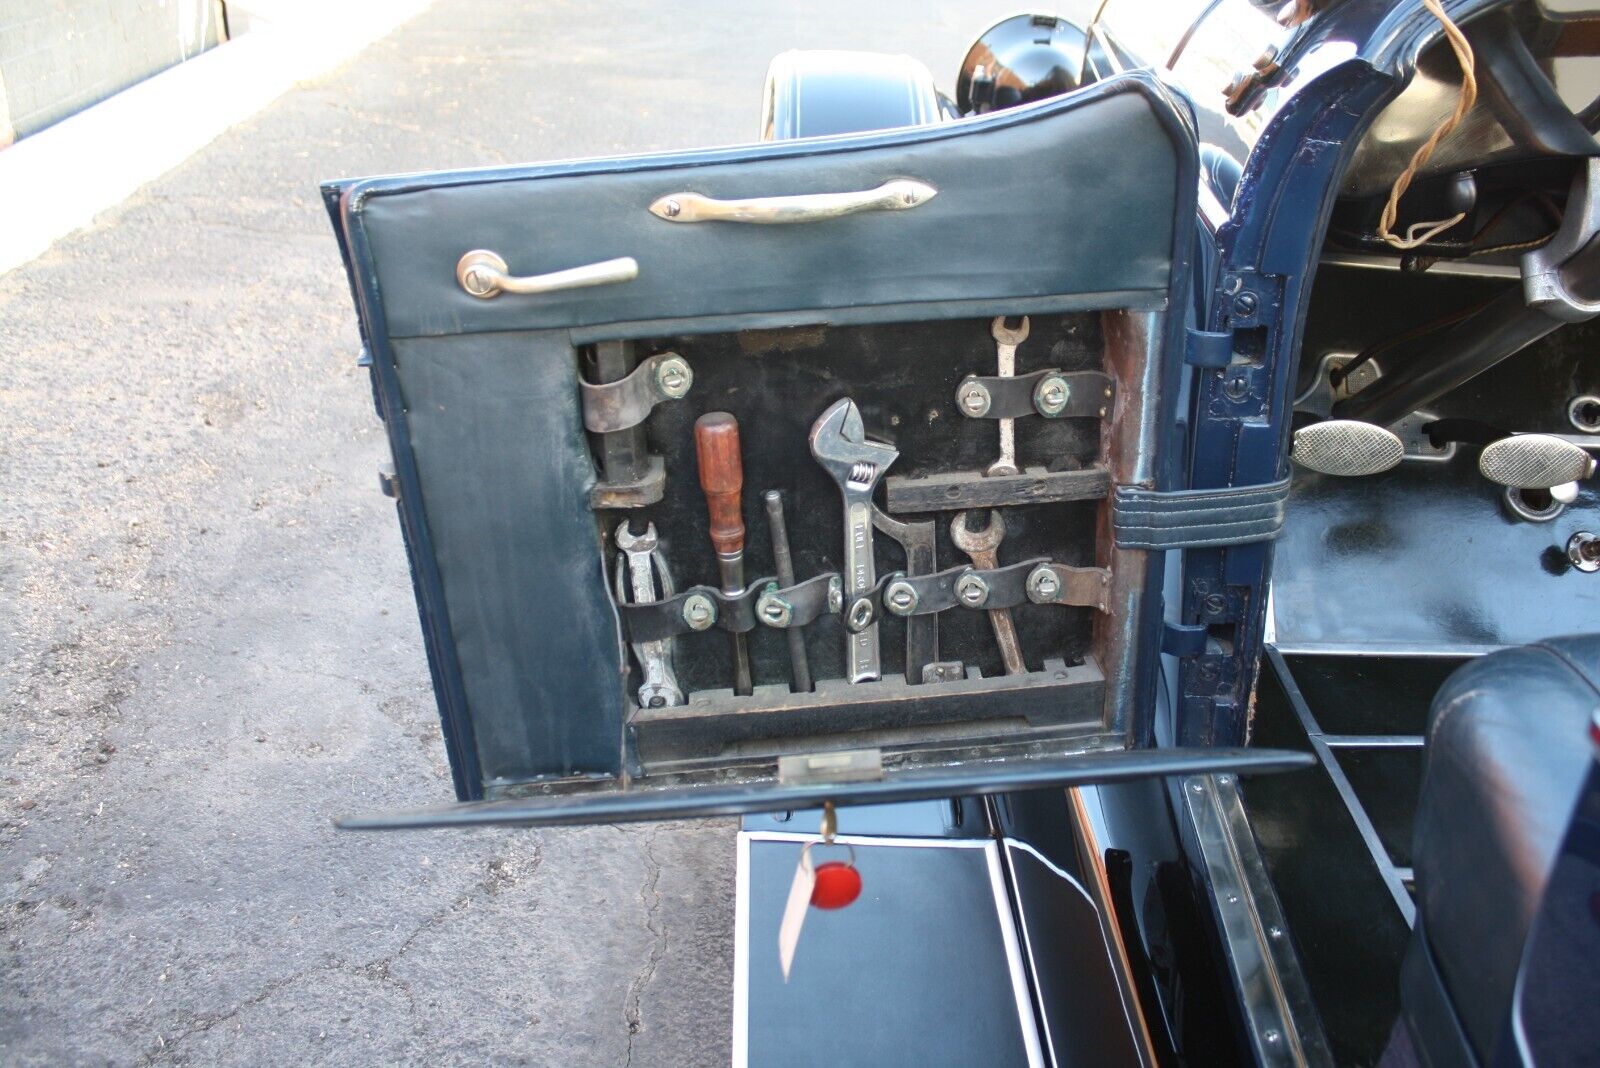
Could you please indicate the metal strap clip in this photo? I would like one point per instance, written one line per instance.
(627, 402)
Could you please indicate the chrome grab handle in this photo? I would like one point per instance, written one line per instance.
(900, 194)
(484, 275)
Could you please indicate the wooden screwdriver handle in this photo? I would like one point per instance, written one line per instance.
(716, 446)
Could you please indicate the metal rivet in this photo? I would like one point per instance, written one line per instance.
(672, 209)
(1274, 931)
(699, 611)
(1272, 1037)
(901, 597)
(1226, 780)
(1583, 549)
(1050, 396)
(973, 399)
(1043, 584)
(972, 591)
(835, 594)
(674, 377)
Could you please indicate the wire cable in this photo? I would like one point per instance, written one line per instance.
(1464, 102)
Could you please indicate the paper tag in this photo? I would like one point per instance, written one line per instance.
(795, 909)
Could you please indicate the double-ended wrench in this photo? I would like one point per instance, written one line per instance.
(839, 443)
(1006, 342)
(642, 560)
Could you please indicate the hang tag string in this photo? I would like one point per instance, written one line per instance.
(1422, 232)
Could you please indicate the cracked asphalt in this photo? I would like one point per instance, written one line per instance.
(207, 640)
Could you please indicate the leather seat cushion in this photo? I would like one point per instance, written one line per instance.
(1506, 754)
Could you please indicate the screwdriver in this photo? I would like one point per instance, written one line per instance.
(716, 446)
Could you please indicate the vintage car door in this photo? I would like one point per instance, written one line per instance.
(543, 340)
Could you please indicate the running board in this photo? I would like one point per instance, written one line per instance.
(918, 783)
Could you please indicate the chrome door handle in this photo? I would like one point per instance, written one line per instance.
(484, 275)
(901, 194)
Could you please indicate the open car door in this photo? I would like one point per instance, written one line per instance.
(543, 341)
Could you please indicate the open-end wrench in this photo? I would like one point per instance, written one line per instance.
(922, 632)
(839, 443)
(983, 546)
(1006, 342)
(642, 558)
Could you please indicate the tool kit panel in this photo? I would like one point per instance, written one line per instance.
(829, 538)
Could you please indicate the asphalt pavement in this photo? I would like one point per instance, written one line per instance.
(207, 641)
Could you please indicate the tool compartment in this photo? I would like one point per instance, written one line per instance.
(904, 377)
(529, 426)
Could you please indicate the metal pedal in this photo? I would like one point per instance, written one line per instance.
(1534, 461)
(1347, 448)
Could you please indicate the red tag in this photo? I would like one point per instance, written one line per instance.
(836, 885)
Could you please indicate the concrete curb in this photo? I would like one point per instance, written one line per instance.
(59, 179)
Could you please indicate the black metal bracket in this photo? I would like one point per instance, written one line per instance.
(1051, 393)
(701, 608)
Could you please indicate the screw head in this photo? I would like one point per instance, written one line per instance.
(861, 615)
(1244, 305)
(1051, 395)
(1236, 388)
(1043, 584)
(835, 595)
(674, 377)
(699, 611)
(1215, 604)
(900, 598)
(672, 209)
(972, 591)
(773, 610)
(973, 399)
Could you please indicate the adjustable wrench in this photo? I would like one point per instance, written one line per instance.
(983, 546)
(655, 658)
(839, 443)
(1006, 342)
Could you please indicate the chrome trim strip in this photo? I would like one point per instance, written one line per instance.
(1281, 1017)
(1373, 741)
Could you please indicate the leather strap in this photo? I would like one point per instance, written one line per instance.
(1197, 519)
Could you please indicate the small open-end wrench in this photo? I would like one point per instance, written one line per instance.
(983, 546)
(839, 443)
(641, 557)
(922, 632)
(1006, 342)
